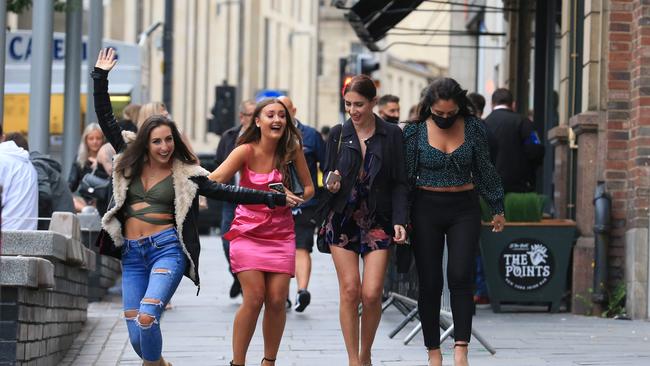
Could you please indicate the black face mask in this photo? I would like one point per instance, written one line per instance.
(444, 122)
(391, 119)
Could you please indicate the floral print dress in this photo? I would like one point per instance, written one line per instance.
(355, 228)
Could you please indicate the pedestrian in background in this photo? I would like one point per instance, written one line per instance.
(152, 223)
(325, 132)
(92, 140)
(53, 192)
(313, 147)
(367, 211)
(227, 144)
(19, 182)
(388, 108)
(476, 108)
(520, 150)
(448, 162)
(481, 297)
(413, 112)
(263, 240)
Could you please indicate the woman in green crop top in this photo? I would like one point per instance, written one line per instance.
(151, 224)
(448, 164)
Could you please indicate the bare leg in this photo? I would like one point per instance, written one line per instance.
(460, 354)
(372, 284)
(347, 271)
(303, 268)
(435, 357)
(275, 315)
(254, 288)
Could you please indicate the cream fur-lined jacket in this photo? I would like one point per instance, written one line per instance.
(189, 182)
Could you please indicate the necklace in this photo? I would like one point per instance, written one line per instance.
(366, 136)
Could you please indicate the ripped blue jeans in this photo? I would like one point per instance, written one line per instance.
(152, 268)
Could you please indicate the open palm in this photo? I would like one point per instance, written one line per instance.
(106, 59)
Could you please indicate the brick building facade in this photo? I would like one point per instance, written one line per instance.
(612, 143)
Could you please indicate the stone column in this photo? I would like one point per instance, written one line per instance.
(585, 126)
(559, 139)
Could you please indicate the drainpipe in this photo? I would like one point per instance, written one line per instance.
(602, 225)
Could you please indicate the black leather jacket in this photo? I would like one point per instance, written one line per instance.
(388, 183)
(190, 181)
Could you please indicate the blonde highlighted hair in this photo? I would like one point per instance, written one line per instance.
(151, 109)
(82, 154)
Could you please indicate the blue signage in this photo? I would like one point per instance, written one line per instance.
(20, 48)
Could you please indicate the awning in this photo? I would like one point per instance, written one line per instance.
(372, 19)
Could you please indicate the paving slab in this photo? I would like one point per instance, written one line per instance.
(197, 331)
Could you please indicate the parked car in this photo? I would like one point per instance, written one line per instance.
(210, 217)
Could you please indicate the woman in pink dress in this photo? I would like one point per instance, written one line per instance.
(262, 240)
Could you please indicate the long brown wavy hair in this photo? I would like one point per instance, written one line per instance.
(135, 154)
(289, 144)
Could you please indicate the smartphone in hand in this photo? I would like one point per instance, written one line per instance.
(332, 178)
(278, 187)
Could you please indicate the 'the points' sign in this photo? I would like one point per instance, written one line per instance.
(526, 264)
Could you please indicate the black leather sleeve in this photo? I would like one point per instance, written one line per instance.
(399, 179)
(235, 194)
(104, 110)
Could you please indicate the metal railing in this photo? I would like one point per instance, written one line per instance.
(402, 289)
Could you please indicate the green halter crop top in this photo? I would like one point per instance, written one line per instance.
(160, 198)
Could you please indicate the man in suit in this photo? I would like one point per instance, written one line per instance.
(226, 145)
(519, 149)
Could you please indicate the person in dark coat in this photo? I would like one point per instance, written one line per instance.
(226, 145)
(519, 149)
(477, 107)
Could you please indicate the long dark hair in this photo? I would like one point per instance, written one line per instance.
(133, 157)
(289, 144)
(443, 89)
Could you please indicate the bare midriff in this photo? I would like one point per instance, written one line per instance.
(463, 188)
(136, 229)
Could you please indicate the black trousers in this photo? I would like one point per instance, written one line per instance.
(456, 216)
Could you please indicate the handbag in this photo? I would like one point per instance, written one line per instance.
(404, 252)
(321, 245)
(94, 187)
(104, 241)
(294, 180)
(107, 246)
(320, 218)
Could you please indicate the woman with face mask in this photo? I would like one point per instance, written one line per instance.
(448, 163)
(152, 222)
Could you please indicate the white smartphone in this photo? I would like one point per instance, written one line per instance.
(332, 178)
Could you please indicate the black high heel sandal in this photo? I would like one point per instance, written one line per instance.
(267, 359)
(234, 364)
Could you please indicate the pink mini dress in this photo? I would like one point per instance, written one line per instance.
(262, 238)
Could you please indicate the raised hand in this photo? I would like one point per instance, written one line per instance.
(106, 59)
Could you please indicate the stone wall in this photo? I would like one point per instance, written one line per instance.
(43, 292)
(107, 269)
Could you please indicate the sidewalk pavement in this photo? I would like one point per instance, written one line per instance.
(197, 331)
